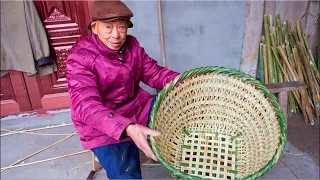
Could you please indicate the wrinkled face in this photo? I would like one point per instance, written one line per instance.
(112, 33)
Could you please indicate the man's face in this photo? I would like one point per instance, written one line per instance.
(112, 33)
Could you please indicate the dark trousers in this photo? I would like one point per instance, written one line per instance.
(121, 161)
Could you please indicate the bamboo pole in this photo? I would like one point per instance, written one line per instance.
(299, 31)
(36, 129)
(312, 61)
(39, 151)
(279, 30)
(306, 109)
(313, 88)
(36, 162)
(261, 64)
(288, 79)
(290, 56)
(269, 56)
(318, 43)
(284, 58)
(277, 70)
(266, 76)
(164, 63)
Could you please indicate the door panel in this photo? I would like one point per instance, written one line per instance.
(65, 23)
(14, 95)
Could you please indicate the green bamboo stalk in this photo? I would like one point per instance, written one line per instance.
(287, 78)
(266, 76)
(279, 30)
(285, 60)
(310, 78)
(306, 109)
(274, 46)
(318, 46)
(299, 31)
(286, 32)
(292, 41)
(261, 63)
(269, 54)
(290, 55)
(292, 103)
(312, 62)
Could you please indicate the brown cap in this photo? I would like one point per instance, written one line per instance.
(110, 10)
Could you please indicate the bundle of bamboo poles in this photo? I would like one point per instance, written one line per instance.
(285, 55)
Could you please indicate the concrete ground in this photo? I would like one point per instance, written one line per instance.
(300, 159)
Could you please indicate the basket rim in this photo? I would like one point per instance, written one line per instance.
(229, 71)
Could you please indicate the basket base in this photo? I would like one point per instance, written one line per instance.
(209, 155)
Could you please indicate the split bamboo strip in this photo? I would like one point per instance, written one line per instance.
(69, 136)
(145, 164)
(306, 109)
(41, 134)
(266, 76)
(10, 131)
(81, 164)
(288, 168)
(37, 129)
(284, 58)
(36, 162)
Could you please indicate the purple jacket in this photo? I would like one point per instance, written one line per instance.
(104, 89)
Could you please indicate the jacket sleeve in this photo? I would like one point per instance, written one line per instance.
(155, 75)
(37, 35)
(86, 101)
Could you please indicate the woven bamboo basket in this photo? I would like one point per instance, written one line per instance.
(217, 123)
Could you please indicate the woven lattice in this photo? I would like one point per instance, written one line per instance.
(217, 123)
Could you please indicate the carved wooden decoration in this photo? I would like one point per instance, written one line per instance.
(63, 33)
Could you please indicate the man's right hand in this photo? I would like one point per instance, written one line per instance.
(139, 135)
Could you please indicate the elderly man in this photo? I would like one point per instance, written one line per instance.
(109, 109)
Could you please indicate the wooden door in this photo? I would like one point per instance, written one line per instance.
(65, 23)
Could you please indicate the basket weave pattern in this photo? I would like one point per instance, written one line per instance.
(215, 123)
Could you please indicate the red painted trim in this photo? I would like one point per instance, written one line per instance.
(9, 107)
(53, 101)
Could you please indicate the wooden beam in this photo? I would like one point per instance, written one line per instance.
(285, 86)
(252, 37)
